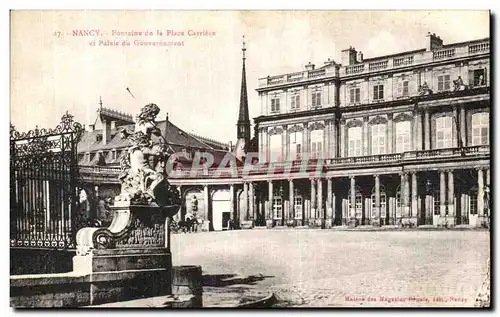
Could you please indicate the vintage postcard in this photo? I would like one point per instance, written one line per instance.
(250, 159)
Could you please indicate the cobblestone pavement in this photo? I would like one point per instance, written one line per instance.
(326, 268)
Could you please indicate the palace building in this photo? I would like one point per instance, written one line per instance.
(392, 140)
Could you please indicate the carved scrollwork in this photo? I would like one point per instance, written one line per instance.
(316, 126)
(378, 120)
(296, 128)
(275, 130)
(403, 116)
(354, 123)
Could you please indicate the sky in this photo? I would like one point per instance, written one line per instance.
(197, 84)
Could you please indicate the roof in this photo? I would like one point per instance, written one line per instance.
(173, 134)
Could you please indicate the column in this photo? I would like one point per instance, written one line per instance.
(342, 146)
(291, 214)
(480, 194)
(178, 216)
(284, 147)
(313, 199)
(366, 143)
(269, 209)
(414, 197)
(414, 131)
(454, 127)
(244, 212)
(333, 138)
(419, 132)
(390, 133)
(427, 130)
(402, 198)
(407, 196)
(231, 197)
(451, 197)
(206, 205)
(442, 194)
(251, 200)
(462, 125)
(319, 207)
(329, 201)
(352, 210)
(376, 220)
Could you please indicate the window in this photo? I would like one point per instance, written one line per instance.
(275, 147)
(277, 207)
(297, 205)
(354, 94)
(275, 105)
(295, 102)
(378, 139)
(480, 128)
(403, 88)
(437, 203)
(403, 136)
(473, 202)
(355, 142)
(477, 77)
(295, 145)
(316, 99)
(359, 203)
(316, 144)
(378, 92)
(443, 82)
(399, 203)
(383, 203)
(444, 131)
(113, 154)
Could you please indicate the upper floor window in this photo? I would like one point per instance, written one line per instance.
(275, 146)
(378, 139)
(295, 103)
(316, 143)
(316, 99)
(443, 82)
(295, 145)
(444, 132)
(403, 136)
(355, 141)
(477, 77)
(404, 88)
(480, 128)
(275, 105)
(378, 92)
(354, 94)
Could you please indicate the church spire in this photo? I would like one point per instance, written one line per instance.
(243, 125)
(243, 118)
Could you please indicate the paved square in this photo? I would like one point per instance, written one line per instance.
(346, 268)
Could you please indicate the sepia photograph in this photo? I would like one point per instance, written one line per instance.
(250, 159)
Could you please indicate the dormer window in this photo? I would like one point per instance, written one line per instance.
(98, 138)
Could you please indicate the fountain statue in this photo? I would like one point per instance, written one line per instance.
(137, 240)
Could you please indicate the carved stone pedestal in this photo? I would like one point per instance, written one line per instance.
(247, 224)
(328, 223)
(353, 222)
(269, 223)
(376, 222)
(129, 259)
(409, 222)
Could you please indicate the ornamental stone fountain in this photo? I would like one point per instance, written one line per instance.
(131, 258)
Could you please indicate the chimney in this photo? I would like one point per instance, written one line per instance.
(106, 131)
(329, 61)
(360, 57)
(434, 42)
(310, 66)
(230, 146)
(113, 125)
(348, 56)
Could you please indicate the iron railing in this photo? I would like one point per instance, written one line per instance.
(44, 186)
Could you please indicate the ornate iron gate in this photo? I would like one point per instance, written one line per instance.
(44, 185)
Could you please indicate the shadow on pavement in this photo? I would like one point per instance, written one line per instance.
(220, 280)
